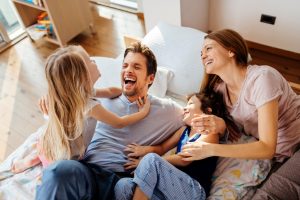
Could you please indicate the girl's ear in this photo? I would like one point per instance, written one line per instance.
(230, 54)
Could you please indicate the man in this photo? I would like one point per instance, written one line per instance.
(90, 179)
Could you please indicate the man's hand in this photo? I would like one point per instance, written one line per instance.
(44, 104)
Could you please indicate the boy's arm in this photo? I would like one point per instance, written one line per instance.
(110, 92)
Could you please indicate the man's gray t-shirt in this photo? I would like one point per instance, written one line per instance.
(108, 144)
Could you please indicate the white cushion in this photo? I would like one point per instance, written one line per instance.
(110, 70)
(179, 48)
(160, 84)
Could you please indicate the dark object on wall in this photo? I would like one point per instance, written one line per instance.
(267, 19)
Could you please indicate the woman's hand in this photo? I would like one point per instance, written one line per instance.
(195, 151)
(44, 104)
(132, 163)
(208, 124)
(134, 150)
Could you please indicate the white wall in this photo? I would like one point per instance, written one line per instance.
(190, 13)
(161, 10)
(244, 17)
(194, 13)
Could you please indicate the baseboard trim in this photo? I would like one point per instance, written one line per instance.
(273, 50)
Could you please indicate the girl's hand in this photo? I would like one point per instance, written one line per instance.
(132, 163)
(44, 104)
(195, 151)
(134, 150)
(208, 124)
(143, 104)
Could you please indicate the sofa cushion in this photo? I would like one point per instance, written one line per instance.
(160, 84)
(179, 48)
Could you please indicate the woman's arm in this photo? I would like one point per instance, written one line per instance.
(177, 159)
(110, 92)
(101, 114)
(262, 149)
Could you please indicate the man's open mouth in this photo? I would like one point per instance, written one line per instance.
(129, 82)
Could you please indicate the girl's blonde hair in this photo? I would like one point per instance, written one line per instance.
(69, 88)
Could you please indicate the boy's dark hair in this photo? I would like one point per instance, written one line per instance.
(214, 100)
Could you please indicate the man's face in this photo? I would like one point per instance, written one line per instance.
(134, 77)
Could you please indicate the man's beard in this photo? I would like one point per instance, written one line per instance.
(131, 93)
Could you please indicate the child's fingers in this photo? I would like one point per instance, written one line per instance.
(139, 102)
(128, 149)
(132, 155)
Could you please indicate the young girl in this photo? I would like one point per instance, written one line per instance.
(168, 180)
(71, 75)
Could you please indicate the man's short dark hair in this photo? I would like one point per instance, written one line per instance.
(138, 47)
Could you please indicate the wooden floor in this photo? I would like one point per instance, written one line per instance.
(22, 79)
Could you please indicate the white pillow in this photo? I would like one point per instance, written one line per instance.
(110, 70)
(179, 48)
(160, 85)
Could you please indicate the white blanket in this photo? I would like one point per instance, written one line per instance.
(20, 186)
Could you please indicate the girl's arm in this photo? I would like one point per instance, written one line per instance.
(135, 150)
(262, 149)
(110, 92)
(101, 114)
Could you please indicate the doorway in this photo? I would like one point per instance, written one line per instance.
(10, 27)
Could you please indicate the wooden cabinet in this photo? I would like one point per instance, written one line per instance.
(68, 17)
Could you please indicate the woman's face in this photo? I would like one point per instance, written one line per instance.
(214, 57)
(193, 107)
(91, 66)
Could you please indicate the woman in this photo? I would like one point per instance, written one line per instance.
(260, 100)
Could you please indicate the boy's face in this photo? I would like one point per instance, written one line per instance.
(134, 76)
(193, 107)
